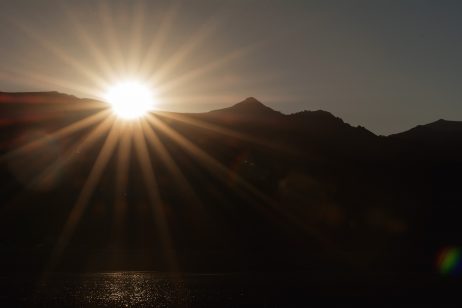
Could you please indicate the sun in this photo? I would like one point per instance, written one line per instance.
(130, 99)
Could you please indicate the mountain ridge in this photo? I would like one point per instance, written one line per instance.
(249, 106)
(306, 189)
(438, 126)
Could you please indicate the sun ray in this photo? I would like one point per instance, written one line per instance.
(201, 70)
(112, 38)
(86, 39)
(38, 80)
(81, 146)
(176, 59)
(185, 143)
(152, 52)
(152, 188)
(86, 142)
(50, 104)
(122, 172)
(167, 159)
(60, 133)
(138, 19)
(62, 54)
(265, 205)
(84, 196)
(226, 132)
(189, 146)
(196, 103)
(213, 165)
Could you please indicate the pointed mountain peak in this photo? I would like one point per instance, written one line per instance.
(251, 100)
(251, 103)
(249, 106)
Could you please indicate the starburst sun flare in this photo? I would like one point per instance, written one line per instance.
(130, 99)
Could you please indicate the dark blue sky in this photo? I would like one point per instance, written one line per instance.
(386, 65)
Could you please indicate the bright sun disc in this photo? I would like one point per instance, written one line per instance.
(130, 99)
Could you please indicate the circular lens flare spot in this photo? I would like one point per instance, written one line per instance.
(449, 261)
(130, 99)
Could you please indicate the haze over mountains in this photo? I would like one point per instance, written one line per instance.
(241, 188)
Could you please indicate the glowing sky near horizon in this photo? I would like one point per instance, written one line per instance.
(385, 65)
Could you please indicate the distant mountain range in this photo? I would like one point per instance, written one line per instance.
(44, 103)
(240, 188)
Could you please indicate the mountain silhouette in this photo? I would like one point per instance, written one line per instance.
(249, 106)
(438, 130)
(240, 188)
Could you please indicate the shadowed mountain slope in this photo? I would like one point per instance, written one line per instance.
(236, 189)
(441, 130)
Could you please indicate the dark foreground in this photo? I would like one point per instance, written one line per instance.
(151, 289)
(360, 218)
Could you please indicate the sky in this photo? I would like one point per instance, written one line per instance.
(386, 65)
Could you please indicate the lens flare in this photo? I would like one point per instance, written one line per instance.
(449, 261)
(130, 99)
